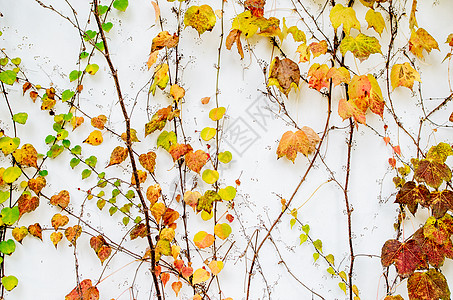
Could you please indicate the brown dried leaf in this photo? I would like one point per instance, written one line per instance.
(119, 154)
(61, 199)
(148, 161)
(35, 230)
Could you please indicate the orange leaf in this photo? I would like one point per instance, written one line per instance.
(99, 122)
(27, 203)
(216, 266)
(119, 154)
(37, 184)
(318, 48)
(62, 199)
(203, 239)
(148, 161)
(164, 277)
(85, 291)
(299, 141)
(222, 230)
(318, 76)
(158, 210)
(26, 156)
(35, 230)
(234, 37)
(73, 233)
(200, 275)
(176, 286)
(196, 160)
(421, 40)
(156, 10)
(59, 220)
(153, 193)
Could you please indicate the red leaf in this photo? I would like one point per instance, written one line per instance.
(138, 231)
(84, 291)
(35, 230)
(411, 195)
(164, 277)
(407, 257)
(428, 285)
(397, 150)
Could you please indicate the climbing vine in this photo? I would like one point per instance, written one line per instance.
(143, 170)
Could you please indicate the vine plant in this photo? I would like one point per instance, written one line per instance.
(190, 234)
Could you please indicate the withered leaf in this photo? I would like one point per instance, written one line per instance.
(407, 256)
(432, 172)
(37, 184)
(119, 154)
(428, 285)
(61, 199)
(284, 74)
(164, 39)
(85, 291)
(73, 233)
(235, 37)
(26, 156)
(412, 194)
(178, 150)
(148, 161)
(59, 220)
(27, 203)
(138, 231)
(35, 230)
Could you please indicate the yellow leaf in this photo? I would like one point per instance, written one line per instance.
(346, 16)
(404, 75)
(152, 59)
(142, 175)
(177, 92)
(375, 20)
(200, 275)
(222, 230)
(318, 48)
(299, 141)
(202, 18)
(361, 46)
(95, 138)
(164, 39)
(203, 239)
(118, 155)
(153, 193)
(26, 156)
(161, 78)
(304, 53)
(339, 75)
(158, 210)
(215, 266)
(421, 40)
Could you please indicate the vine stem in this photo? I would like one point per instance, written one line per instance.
(312, 162)
(348, 207)
(129, 148)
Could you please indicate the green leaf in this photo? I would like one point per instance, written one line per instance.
(318, 245)
(101, 203)
(50, 139)
(227, 193)
(210, 176)
(208, 133)
(10, 215)
(67, 117)
(62, 135)
(137, 220)
(331, 271)
(112, 210)
(331, 259)
(84, 55)
(342, 286)
(126, 221)
(107, 26)
(9, 145)
(166, 139)
(121, 5)
(9, 282)
(225, 157)
(100, 46)
(92, 69)
(66, 143)
(74, 75)
(102, 9)
(7, 247)
(306, 228)
(292, 222)
(55, 150)
(77, 150)
(315, 256)
(8, 77)
(74, 162)
(115, 192)
(89, 34)
(20, 118)
(11, 174)
(130, 194)
(86, 173)
(67, 95)
(4, 196)
(91, 161)
(4, 61)
(303, 238)
(16, 61)
(43, 173)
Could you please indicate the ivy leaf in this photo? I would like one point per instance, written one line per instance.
(138, 231)
(284, 74)
(8, 77)
(26, 156)
(439, 153)
(61, 199)
(107, 26)
(438, 230)
(428, 285)
(435, 253)
(407, 257)
(375, 20)
(9, 282)
(361, 46)
(11, 174)
(118, 155)
(207, 133)
(35, 230)
(217, 113)
(225, 157)
(432, 172)
(20, 118)
(234, 37)
(200, 275)
(441, 202)
(8, 145)
(222, 230)
(215, 266)
(196, 160)
(227, 193)
(73, 233)
(256, 7)
(178, 150)
(201, 18)
(339, 75)
(120, 5)
(37, 184)
(26, 204)
(95, 138)
(303, 141)
(318, 76)
(59, 220)
(10, 215)
(56, 237)
(19, 233)
(346, 16)
(206, 201)
(421, 40)
(92, 68)
(161, 78)
(404, 75)
(411, 195)
(74, 75)
(203, 239)
(99, 122)
(85, 290)
(7, 247)
(166, 139)
(210, 176)
(148, 161)
(164, 39)
(318, 49)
